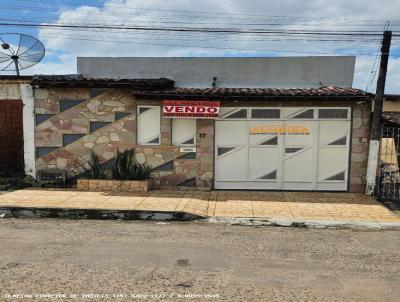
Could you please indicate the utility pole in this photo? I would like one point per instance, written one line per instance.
(374, 144)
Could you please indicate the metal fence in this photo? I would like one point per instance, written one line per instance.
(389, 175)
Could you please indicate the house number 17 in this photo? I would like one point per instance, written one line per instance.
(202, 135)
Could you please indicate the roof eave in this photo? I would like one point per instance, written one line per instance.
(250, 98)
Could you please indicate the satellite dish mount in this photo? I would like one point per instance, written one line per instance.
(19, 51)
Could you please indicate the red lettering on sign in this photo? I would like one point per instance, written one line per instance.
(191, 109)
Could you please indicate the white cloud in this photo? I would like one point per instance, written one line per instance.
(66, 64)
(71, 43)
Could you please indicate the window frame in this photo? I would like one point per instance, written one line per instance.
(137, 125)
(250, 113)
(348, 117)
(226, 115)
(194, 137)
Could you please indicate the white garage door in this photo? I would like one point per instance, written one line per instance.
(288, 148)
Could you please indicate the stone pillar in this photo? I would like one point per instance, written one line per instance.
(166, 131)
(359, 147)
(205, 152)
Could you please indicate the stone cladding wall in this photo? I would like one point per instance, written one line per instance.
(117, 134)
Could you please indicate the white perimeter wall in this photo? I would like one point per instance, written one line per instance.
(29, 129)
(283, 72)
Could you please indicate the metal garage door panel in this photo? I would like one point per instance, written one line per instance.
(264, 164)
(287, 112)
(314, 161)
(332, 131)
(298, 167)
(261, 133)
(332, 161)
(230, 133)
(232, 165)
(292, 139)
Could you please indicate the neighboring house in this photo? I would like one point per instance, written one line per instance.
(12, 91)
(390, 126)
(391, 103)
(389, 174)
(299, 135)
(205, 72)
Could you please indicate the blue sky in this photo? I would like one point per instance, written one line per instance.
(63, 46)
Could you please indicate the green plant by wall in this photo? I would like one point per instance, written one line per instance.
(125, 167)
(92, 169)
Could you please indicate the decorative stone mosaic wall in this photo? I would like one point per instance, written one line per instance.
(361, 128)
(172, 169)
(106, 122)
(77, 121)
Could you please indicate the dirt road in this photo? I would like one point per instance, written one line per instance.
(67, 260)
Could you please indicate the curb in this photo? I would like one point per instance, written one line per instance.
(104, 214)
(318, 224)
(100, 214)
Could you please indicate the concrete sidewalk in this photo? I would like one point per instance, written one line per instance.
(285, 208)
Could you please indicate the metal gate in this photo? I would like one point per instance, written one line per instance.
(389, 175)
(11, 137)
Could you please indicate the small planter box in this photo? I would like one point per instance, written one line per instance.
(107, 185)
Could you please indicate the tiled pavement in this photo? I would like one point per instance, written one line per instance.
(250, 204)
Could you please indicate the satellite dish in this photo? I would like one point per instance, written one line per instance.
(19, 51)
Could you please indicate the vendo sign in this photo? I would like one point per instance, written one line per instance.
(191, 109)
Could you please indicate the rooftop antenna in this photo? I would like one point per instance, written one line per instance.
(19, 51)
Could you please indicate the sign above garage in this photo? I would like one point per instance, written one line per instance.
(191, 109)
(280, 130)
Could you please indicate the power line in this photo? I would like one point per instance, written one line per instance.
(213, 39)
(374, 70)
(206, 30)
(125, 7)
(312, 35)
(208, 47)
(271, 23)
(251, 38)
(274, 19)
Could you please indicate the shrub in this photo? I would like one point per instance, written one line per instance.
(126, 167)
(91, 169)
(142, 171)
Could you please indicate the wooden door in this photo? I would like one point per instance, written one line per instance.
(11, 137)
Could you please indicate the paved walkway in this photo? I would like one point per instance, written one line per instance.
(250, 204)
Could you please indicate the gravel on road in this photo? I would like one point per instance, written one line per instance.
(89, 260)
